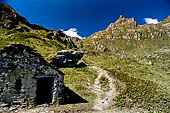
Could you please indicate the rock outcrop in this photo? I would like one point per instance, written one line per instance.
(123, 22)
(67, 58)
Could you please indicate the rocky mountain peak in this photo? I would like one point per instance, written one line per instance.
(120, 19)
(126, 28)
(123, 22)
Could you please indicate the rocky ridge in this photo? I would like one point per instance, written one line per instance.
(122, 21)
(127, 28)
(124, 36)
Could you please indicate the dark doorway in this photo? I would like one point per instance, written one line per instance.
(18, 85)
(44, 90)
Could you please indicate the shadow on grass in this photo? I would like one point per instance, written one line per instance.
(72, 98)
(81, 65)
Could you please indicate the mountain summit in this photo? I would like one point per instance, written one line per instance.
(123, 22)
(10, 19)
(127, 28)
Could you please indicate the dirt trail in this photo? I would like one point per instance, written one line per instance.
(37, 110)
(103, 103)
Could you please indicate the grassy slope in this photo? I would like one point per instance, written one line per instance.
(147, 85)
(37, 39)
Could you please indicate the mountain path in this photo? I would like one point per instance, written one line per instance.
(103, 103)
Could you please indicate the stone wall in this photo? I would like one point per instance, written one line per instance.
(18, 89)
(18, 67)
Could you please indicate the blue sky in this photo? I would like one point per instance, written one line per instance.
(88, 16)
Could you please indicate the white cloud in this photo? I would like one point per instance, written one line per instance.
(72, 32)
(151, 21)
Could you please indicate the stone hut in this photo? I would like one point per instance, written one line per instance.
(26, 79)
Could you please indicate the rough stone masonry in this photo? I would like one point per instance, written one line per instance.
(26, 79)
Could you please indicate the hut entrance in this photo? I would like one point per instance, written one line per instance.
(44, 90)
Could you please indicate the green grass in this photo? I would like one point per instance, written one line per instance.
(36, 39)
(146, 86)
(104, 83)
(80, 80)
(141, 94)
(142, 85)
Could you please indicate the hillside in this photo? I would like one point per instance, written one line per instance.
(136, 56)
(127, 64)
(16, 29)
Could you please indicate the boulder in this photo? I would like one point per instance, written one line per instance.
(67, 58)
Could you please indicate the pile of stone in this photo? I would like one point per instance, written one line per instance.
(67, 58)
